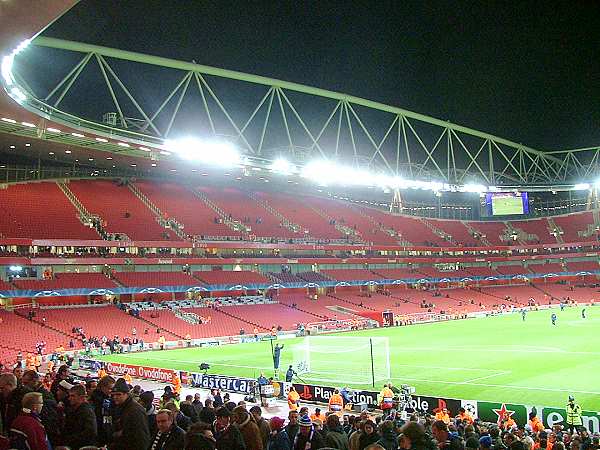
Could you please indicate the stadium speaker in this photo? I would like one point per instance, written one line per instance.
(204, 366)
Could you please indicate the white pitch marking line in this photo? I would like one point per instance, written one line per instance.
(497, 374)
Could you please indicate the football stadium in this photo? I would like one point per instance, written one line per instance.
(347, 273)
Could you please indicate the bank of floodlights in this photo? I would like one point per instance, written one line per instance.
(211, 152)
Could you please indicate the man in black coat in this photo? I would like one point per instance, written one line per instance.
(130, 422)
(81, 429)
(169, 436)
(228, 436)
(10, 399)
(103, 408)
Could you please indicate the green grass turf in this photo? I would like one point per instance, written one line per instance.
(497, 358)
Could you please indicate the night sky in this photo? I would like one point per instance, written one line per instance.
(519, 70)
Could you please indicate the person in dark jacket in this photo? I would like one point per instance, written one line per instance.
(445, 439)
(308, 434)
(104, 409)
(226, 434)
(10, 399)
(169, 436)
(292, 428)
(131, 425)
(81, 428)
(368, 434)
(416, 438)
(147, 401)
(187, 408)
(388, 439)
(262, 423)
(200, 437)
(207, 415)
(335, 436)
(278, 438)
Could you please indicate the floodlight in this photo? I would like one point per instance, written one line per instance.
(471, 187)
(582, 186)
(215, 152)
(282, 166)
(15, 268)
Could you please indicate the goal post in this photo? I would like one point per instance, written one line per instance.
(343, 359)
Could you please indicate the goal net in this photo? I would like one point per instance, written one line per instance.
(343, 359)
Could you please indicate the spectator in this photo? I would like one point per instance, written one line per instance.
(131, 427)
(308, 436)
(187, 408)
(248, 428)
(278, 438)
(168, 436)
(207, 415)
(10, 399)
(147, 401)
(292, 428)
(368, 434)
(81, 428)
(227, 435)
(27, 430)
(103, 408)
(388, 439)
(200, 437)
(445, 440)
(197, 403)
(262, 423)
(49, 416)
(181, 419)
(415, 437)
(335, 436)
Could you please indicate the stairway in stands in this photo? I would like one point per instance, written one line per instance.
(437, 231)
(158, 214)
(351, 302)
(84, 215)
(380, 226)
(38, 321)
(284, 220)
(256, 325)
(556, 229)
(234, 226)
(345, 230)
(474, 232)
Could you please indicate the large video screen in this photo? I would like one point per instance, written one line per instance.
(507, 203)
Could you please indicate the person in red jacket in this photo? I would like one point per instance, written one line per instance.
(27, 426)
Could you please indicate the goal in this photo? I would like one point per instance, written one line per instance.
(343, 359)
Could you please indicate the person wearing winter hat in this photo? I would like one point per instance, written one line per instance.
(228, 436)
(308, 437)
(278, 438)
(485, 442)
(130, 423)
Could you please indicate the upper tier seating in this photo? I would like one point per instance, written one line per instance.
(537, 227)
(121, 209)
(5, 286)
(67, 281)
(141, 279)
(344, 214)
(457, 229)
(481, 271)
(491, 230)
(398, 274)
(286, 277)
(411, 229)
(512, 269)
(240, 206)
(573, 224)
(232, 277)
(300, 214)
(180, 203)
(546, 268)
(40, 211)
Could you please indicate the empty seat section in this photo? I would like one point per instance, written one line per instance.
(398, 274)
(285, 277)
(538, 228)
(481, 271)
(121, 209)
(180, 203)
(40, 211)
(457, 230)
(410, 229)
(232, 277)
(5, 286)
(573, 224)
(141, 279)
(351, 274)
(313, 277)
(513, 269)
(299, 213)
(247, 211)
(270, 315)
(546, 268)
(68, 281)
(491, 230)
(345, 214)
(583, 266)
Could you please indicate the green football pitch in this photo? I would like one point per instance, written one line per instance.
(500, 359)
